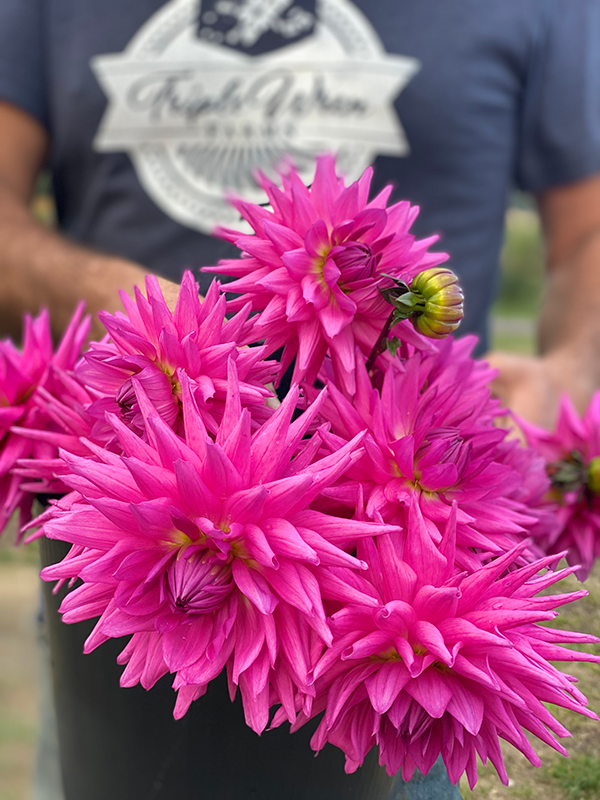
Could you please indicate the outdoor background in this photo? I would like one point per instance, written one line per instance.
(559, 779)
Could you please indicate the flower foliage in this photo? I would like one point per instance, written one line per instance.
(572, 454)
(362, 550)
(28, 379)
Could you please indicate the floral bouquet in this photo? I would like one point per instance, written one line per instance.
(369, 550)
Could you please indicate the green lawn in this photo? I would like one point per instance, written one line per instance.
(521, 284)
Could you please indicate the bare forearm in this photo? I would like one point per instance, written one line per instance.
(569, 329)
(571, 309)
(40, 268)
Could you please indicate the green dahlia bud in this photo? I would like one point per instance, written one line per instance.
(434, 300)
(443, 302)
(573, 475)
(593, 479)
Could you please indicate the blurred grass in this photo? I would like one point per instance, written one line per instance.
(515, 341)
(579, 776)
(20, 554)
(521, 283)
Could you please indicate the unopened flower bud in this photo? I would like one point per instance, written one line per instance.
(431, 281)
(127, 402)
(355, 260)
(198, 584)
(593, 478)
(442, 309)
(434, 301)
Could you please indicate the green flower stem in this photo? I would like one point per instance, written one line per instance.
(379, 345)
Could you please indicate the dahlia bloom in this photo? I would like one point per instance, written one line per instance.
(207, 552)
(315, 264)
(572, 455)
(26, 376)
(153, 344)
(444, 663)
(432, 441)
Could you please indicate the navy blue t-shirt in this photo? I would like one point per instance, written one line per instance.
(158, 110)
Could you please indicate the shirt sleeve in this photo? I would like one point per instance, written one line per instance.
(560, 119)
(22, 74)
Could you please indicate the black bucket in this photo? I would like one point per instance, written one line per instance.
(123, 744)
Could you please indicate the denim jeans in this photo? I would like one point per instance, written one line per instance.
(433, 786)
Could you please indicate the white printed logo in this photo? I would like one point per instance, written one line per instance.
(199, 118)
(253, 18)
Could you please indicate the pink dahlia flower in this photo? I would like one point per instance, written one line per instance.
(432, 441)
(154, 344)
(440, 663)
(26, 376)
(315, 263)
(208, 552)
(572, 455)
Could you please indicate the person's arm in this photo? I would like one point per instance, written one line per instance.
(569, 324)
(39, 267)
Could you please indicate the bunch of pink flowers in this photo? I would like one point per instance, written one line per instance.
(364, 549)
